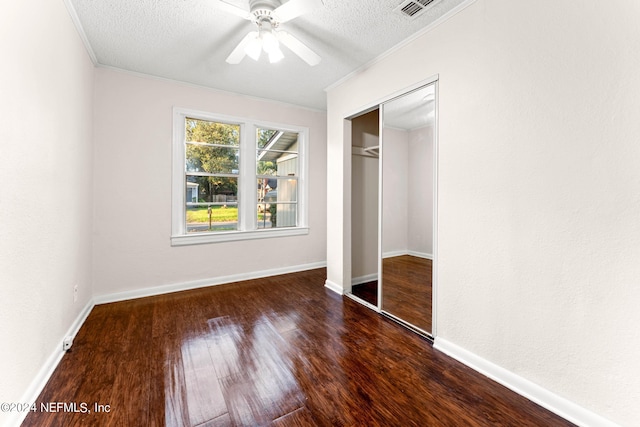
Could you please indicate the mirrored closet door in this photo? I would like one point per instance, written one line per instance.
(392, 207)
(407, 207)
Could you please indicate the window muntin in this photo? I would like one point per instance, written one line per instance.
(223, 192)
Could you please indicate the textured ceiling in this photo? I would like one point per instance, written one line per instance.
(189, 40)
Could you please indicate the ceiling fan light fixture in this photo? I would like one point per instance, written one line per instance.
(275, 55)
(269, 42)
(254, 48)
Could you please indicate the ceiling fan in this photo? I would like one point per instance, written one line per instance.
(267, 15)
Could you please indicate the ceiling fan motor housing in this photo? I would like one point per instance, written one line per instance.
(262, 9)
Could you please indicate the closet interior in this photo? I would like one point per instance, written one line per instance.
(365, 165)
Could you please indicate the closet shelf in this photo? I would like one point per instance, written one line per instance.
(366, 151)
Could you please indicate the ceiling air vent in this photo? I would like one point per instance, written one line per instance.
(412, 8)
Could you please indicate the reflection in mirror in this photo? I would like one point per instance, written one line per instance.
(407, 207)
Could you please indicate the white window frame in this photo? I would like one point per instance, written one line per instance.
(247, 181)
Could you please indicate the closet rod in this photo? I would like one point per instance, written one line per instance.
(366, 151)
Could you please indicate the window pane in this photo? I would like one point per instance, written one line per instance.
(277, 215)
(205, 219)
(218, 193)
(213, 189)
(281, 190)
(277, 164)
(202, 158)
(265, 136)
(212, 132)
(277, 205)
(276, 152)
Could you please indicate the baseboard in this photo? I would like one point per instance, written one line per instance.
(392, 254)
(49, 366)
(333, 287)
(537, 394)
(364, 279)
(195, 284)
(421, 255)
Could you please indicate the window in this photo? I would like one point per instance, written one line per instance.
(236, 179)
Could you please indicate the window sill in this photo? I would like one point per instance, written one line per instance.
(232, 236)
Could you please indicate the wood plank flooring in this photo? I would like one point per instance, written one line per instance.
(280, 351)
(407, 290)
(367, 292)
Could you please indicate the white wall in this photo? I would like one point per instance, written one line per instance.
(133, 137)
(46, 87)
(364, 200)
(539, 189)
(364, 224)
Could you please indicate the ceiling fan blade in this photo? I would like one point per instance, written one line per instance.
(239, 52)
(295, 8)
(228, 7)
(299, 48)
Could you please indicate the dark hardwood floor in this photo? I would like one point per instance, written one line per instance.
(280, 351)
(367, 292)
(407, 290)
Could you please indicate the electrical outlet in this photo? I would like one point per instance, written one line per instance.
(67, 343)
(75, 293)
